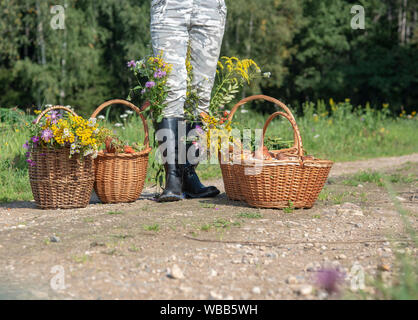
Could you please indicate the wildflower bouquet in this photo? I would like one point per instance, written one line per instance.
(151, 74)
(57, 130)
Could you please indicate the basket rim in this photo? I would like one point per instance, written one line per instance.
(275, 162)
(146, 151)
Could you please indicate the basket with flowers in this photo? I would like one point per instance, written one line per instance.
(121, 168)
(60, 156)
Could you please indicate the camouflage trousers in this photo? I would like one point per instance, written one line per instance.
(175, 23)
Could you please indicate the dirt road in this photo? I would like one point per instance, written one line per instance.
(208, 248)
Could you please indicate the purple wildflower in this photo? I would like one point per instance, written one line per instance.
(31, 162)
(143, 91)
(150, 84)
(35, 139)
(54, 116)
(160, 74)
(199, 129)
(47, 135)
(27, 154)
(329, 279)
(131, 64)
(26, 145)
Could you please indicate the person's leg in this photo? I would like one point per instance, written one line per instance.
(169, 33)
(206, 34)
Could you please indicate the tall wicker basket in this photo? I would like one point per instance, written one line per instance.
(58, 181)
(120, 177)
(228, 168)
(294, 181)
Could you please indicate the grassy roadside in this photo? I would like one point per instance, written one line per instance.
(338, 132)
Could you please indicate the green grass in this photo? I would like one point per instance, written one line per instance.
(112, 213)
(378, 178)
(250, 215)
(339, 132)
(154, 227)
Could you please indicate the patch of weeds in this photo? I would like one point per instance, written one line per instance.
(221, 223)
(208, 205)
(153, 227)
(193, 233)
(205, 227)
(172, 227)
(115, 212)
(81, 259)
(88, 220)
(363, 197)
(47, 241)
(121, 236)
(339, 198)
(316, 216)
(250, 215)
(324, 195)
(290, 208)
(133, 248)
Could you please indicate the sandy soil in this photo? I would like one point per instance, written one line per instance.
(207, 248)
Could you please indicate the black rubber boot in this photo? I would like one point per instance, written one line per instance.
(173, 171)
(192, 186)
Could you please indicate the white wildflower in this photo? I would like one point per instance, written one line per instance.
(123, 116)
(92, 122)
(101, 117)
(267, 74)
(129, 112)
(118, 125)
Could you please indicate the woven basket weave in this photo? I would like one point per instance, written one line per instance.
(228, 168)
(295, 181)
(120, 177)
(57, 181)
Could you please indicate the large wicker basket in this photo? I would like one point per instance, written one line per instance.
(228, 168)
(58, 181)
(120, 177)
(292, 182)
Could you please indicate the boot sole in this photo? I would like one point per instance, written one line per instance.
(170, 199)
(202, 196)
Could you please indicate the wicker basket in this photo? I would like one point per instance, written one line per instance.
(120, 177)
(295, 181)
(228, 168)
(57, 181)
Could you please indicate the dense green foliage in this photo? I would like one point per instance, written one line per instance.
(307, 45)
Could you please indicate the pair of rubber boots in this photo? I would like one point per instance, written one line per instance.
(181, 178)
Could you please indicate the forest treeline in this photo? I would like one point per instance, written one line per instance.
(308, 46)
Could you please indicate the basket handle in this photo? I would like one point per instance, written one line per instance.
(130, 105)
(43, 113)
(298, 139)
(259, 97)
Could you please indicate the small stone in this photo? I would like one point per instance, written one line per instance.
(360, 186)
(54, 239)
(215, 296)
(256, 290)
(341, 257)
(401, 199)
(175, 273)
(21, 226)
(305, 290)
(358, 225)
(213, 273)
(383, 267)
(291, 280)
